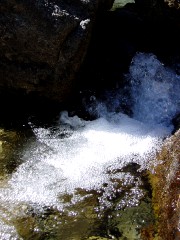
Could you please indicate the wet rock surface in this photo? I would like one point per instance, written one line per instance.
(166, 189)
(43, 44)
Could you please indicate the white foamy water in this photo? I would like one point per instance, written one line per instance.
(155, 90)
(84, 154)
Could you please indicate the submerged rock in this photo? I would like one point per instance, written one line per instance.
(11, 142)
(43, 44)
(166, 190)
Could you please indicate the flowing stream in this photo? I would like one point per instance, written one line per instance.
(83, 179)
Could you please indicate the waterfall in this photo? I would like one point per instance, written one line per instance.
(80, 154)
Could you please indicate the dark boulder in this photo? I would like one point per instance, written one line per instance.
(43, 44)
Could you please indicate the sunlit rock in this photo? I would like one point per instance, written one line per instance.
(121, 3)
(165, 182)
(173, 3)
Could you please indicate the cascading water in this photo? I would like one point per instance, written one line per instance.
(67, 164)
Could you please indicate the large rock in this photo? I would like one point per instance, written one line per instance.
(166, 190)
(43, 44)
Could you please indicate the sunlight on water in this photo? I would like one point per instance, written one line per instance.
(79, 154)
(7, 232)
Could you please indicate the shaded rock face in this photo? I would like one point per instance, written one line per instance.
(43, 43)
(149, 5)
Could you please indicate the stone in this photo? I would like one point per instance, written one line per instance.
(165, 183)
(43, 44)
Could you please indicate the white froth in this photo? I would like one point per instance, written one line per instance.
(56, 165)
(155, 90)
(61, 165)
(7, 232)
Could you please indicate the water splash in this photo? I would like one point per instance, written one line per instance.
(79, 154)
(155, 90)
